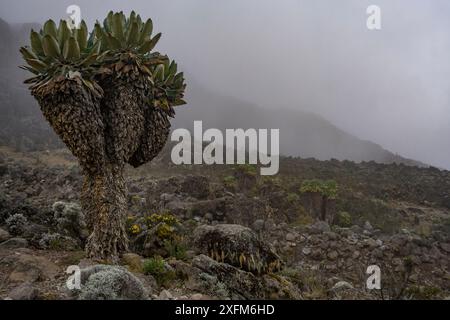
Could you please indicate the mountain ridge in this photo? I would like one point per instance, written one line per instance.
(303, 134)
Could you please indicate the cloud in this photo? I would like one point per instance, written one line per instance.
(390, 86)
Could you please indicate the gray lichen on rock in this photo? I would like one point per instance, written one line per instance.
(104, 282)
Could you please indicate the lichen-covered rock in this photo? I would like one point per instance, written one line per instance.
(14, 243)
(319, 227)
(237, 245)
(237, 284)
(24, 267)
(4, 235)
(133, 261)
(26, 291)
(104, 282)
(234, 283)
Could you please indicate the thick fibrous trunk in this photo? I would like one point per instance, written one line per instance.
(87, 201)
(104, 194)
(106, 204)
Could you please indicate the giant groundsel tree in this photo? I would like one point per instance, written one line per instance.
(109, 96)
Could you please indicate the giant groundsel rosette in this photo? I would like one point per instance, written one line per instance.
(109, 96)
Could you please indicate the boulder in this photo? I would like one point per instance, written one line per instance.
(258, 225)
(320, 227)
(4, 235)
(199, 296)
(445, 247)
(105, 282)
(165, 295)
(306, 251)
(332, 255)
(291, 236)
(24, 267)
(14, 243)
(368, 226)
(238, 246)
(235, 283)
(240, 284)
(342, 285)
(133, 261)
(25, 291)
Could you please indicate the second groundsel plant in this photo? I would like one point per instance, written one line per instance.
(109, 96)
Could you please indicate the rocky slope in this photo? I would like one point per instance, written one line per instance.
(205, 232)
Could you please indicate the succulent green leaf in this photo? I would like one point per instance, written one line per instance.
(139, 20)
(133, 33)
(113, 42)
(178, 102)
(102, 36)
(88, 84)
(172, 70)
(99, 33)
(108, 22)
(155, 40)
(64, 33)
(37, 64)
(50, 28)
(36, 43)
(71, 49)
(91, 39)
(146, 31)
(51, 46)
(123, 20)
(103, 55)
(28, 54)
(30, 69)
(132, 18)
(117, 27)
(149, 44)
(178, 80)
(82, 35)
(96, 47)
(90, 60)
(159, 72)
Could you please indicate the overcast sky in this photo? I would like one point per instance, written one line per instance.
(390, 86)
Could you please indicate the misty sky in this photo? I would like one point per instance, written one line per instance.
(390, 86)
